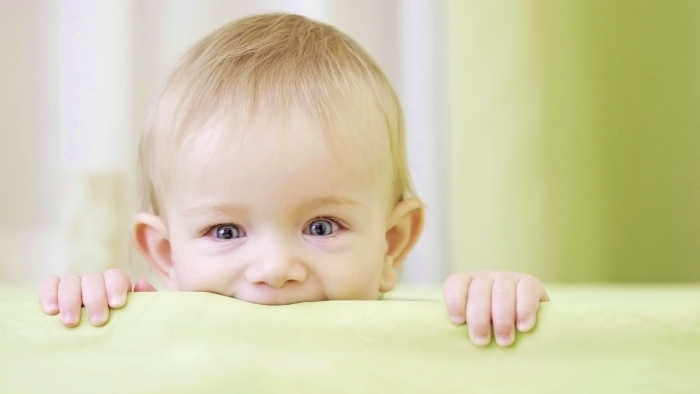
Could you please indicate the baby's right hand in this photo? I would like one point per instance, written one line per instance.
(96, 291)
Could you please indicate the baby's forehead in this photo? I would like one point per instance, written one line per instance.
(271, 148)
(360, 140)
(266, 161)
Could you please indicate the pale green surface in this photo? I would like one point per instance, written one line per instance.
(589, 339)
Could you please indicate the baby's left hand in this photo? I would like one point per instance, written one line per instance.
(508, 299)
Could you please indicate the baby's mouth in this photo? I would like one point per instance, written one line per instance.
(264, 294)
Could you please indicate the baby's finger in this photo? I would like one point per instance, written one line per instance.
(529, 294)
(503, 310)
(48, 294)
(142, 285)
(479, 310)
(70, 300)
(95, 298)
(117, 284)
(455, 292)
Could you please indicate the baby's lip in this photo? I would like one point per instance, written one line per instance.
(264, 294)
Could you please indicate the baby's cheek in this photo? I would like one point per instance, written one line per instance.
(202, 274)
(187, 278)
(360, 278)
(213, 278)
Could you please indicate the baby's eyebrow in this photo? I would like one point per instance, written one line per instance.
(328, 200)
(232, 209)
(226, 209)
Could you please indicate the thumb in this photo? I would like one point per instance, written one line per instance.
(142, 285)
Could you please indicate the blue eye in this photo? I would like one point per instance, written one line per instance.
(227, 231)
(322, 227)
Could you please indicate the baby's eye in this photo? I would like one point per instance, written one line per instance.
(322, 227)
(226, 231)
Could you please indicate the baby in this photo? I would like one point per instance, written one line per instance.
(273, 171)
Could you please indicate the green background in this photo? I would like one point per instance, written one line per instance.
(585, 145)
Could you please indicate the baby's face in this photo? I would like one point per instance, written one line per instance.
(279, 216)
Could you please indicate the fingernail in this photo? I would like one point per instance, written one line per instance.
(523, 325)
(51, 307)
(98, 318)
(456, 320)
(480, 340)
(505, 340)
(69, 318)
(116, 301)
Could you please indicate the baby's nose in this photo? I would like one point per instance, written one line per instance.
(276, 269)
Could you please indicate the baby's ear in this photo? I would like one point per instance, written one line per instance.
(403, 230)
(152, 240)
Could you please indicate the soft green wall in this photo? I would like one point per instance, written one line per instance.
(575, 138)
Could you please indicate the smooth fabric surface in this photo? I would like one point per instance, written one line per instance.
(588, 339)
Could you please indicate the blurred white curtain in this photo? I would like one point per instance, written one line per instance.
(423, 94)
(76, 80)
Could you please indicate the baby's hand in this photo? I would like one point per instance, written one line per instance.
(508, 299)
(96, 291)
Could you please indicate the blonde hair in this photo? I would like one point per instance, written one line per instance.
(267, 61)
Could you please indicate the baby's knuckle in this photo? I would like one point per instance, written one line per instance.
(502, 321)
(502, 326)
(480, 328)
(505, 276)
(526, 284)
(524, 313)
(49, 284)
(500, 296)
(480, 319)
(456, 278)
(69, 298)
(71, 278)
(479, 293)
(450, 279)
(530, 280)
(92, 276)
(114, 272)
(503, 289)
(90, 298)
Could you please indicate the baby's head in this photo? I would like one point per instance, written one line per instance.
(273, 168)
